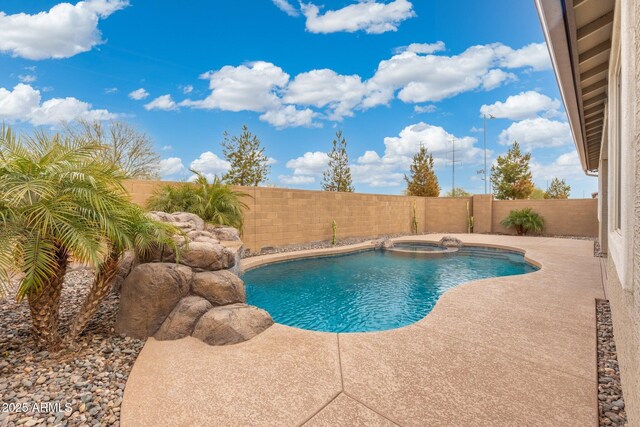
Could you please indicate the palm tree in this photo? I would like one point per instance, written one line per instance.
(134, 231)
(215, 202)
(59, 201)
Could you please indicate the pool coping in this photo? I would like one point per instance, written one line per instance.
(529, 340)
(247, 264)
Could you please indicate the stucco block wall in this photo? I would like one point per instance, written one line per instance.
(447, 214)
(569, 217)
(280, 216)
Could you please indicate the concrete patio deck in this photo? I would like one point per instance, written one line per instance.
(507, 351)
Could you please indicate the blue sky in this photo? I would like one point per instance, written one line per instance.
(390, 74)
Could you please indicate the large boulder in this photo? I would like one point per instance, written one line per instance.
(207, 256)
(148, 295)
(450, 242)
(183, 318)
(231, 324)
(224, 233)
(219, 287)
(126, 263)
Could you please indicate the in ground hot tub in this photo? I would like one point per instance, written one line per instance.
(431, 250)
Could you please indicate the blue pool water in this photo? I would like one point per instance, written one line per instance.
(371, 290)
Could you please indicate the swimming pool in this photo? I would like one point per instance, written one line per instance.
(369, 290)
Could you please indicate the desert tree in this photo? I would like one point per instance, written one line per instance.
(422, 180)
(511, 176)
(249, 165)
(125, 146)
(458, 192)
(558, 189)
(337, 177)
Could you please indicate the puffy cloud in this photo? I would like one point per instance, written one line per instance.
(187, 89)
(163, 102)
(389, 169)
(423, 78)
(251, 87)
(306, 169)
(286, 7)
(64, 31)
(289, 116)
(60, 110)
(400, 149)
(170, 166)
(139, 94)
(325, 88)
(566, 166)
(296, 179)
(534, 55)
(425, 48)
(311, 163)
(23, 103)
(495, 78)
(525, 105)
(415, 74)
(537, 133)
(210, 164)
(366, 15)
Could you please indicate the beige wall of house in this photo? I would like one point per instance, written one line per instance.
(623, 261)
(279, 216)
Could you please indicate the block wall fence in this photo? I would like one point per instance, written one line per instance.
(280, 216)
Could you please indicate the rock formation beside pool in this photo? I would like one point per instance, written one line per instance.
(193, 293)
(450, 242)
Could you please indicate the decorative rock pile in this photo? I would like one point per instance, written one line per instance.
(450, 242)
(192, 293)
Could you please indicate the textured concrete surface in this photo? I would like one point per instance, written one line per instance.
(506, 351)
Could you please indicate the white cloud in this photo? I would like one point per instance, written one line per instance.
(163, 102)
(306, 169)
(424, 48)
(566, 166)
(27, 78)
(537, 133)
(425, 108)
(288, 116)
(496, 78)
(534, 55)
(525, 105)
(423, 78)
(187, 89)
(366, 15)
(139, 94)
(286, 7)
(23, 103)
(167, 148)
(110, 90)
(369, 156)
(64, 31)
(210, 164)
(325, 88)
(296, 179)
(170, 166)
(251, 87)
(311, 163)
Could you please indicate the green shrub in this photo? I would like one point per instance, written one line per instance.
(216, 203)
(524, 221)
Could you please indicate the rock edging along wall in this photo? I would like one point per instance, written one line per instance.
(281, 216)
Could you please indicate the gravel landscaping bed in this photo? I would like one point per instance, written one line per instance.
(610, 400)
(352, 241)
(315, 245)
(64, 389)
